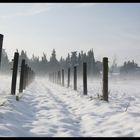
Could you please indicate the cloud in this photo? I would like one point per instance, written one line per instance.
(34, 12)
(28, 10)
(13, 10)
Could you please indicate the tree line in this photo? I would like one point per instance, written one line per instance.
(43, 65)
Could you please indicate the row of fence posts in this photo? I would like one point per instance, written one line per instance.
(55, 77)
(1, 43)
(27, 75)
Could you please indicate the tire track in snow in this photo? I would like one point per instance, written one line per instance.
(69, 123)
(52, 116)
(80, 106)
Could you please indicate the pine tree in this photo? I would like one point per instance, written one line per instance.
(44, 64)
(74, 58)
(68, 61)
(5, 64)
(53, 64)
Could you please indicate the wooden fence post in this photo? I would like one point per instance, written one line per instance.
(1, 43)
(14, 74)
(53, 77)
(75, 78)
(29, 72)
(68, 77)
(22, 75)
(25, 76)
(85, 78)
(56, 77)
(24, 79)
(59, 77)
(105, 78)
(62, 77)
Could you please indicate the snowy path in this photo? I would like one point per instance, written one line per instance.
(47, 109)
(40, 112)
(55, 116)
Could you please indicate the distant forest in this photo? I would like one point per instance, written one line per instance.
(45, 66)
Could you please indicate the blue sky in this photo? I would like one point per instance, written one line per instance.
(111, 29)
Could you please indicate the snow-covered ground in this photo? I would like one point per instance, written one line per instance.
(50, 110)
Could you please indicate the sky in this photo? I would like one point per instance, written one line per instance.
(111, 29)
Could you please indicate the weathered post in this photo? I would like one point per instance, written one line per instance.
(25, 77)
(1, 43)
(105, 78)
(59, 77)
(28, 77)
(52, 77)
(22, 75)
(62, 77)
(75, 78)
(14, 74)
(55, 77)
(85, 78)
(29, 73)
(68, 77)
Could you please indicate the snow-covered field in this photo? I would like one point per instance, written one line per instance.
(50, 110)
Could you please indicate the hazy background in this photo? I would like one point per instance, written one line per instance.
(112, 30)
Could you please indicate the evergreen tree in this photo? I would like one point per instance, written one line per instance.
(5, 65)
(68, 61)
(74, 60)
(129, 67)
(91, 62)
(53, 64)
(44, 64)
(62, 63)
